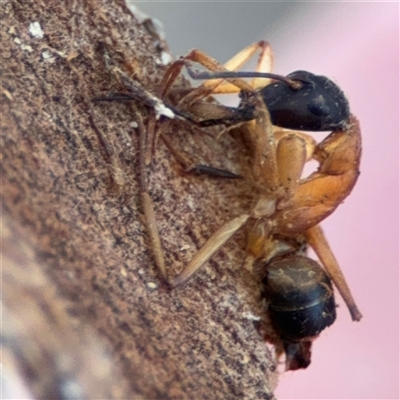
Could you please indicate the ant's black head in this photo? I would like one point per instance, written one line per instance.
(317, 105)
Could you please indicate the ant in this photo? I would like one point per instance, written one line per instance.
(287, 209)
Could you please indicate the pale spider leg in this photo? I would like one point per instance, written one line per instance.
(264, 64)
(213, 244)
(203, 91)
(147, 204)
(175, 68)
(318, 242)
(169, 78)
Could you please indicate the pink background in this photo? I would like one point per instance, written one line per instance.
(359, 49)
(357, 45)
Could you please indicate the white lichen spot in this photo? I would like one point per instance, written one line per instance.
(141, 271)
(26, 48)
(17, 40)
(246, 359)
(48, 116)
(48, 57)
(70, 275)
(190, 202)
(142, 17)
(151, 285)
(250, 316)
(133, 124)
(165, 58)
(123, 272)
(8, 94)
(36, 30)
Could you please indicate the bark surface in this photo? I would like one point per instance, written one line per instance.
(85, 311)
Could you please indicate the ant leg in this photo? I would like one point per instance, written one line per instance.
(211, 113)
(293, 150)
(206, 89)
(151, 141)
(218, 86)
(318, 242)
(264, 64)
(320, 194)
(170, 77)
(135, 91)
(213, 244)
(201, 169)
(310, 142)
(190, 167)
(291, 158)
(260, 137)
(147, 204)
(244, 55)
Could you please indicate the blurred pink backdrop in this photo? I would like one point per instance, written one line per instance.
(359, 48)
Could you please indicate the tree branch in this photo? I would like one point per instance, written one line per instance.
(85, 311)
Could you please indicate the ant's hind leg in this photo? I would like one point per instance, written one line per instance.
(213, 244)
(316, 239)
(147, 205)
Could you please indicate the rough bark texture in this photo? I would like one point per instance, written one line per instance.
(85, 313)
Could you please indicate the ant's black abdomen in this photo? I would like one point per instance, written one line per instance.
(301, 304)
(300, 297)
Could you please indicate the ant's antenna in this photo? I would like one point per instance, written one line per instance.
(194, 74)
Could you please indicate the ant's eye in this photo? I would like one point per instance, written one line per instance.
(319, 107)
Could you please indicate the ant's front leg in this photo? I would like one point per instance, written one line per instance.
(320, 194)
(264, 64)
(191, 167)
